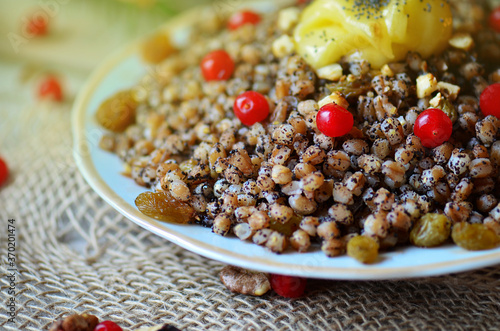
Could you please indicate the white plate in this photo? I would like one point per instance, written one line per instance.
(102, 171)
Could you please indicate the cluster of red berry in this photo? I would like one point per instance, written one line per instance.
(432, 126)
(250, 107)
(4, 172)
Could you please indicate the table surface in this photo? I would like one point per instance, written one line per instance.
(76, 254)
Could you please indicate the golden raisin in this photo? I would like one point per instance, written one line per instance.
(157, 48)
(363, 248)
(474, 237)
(288, 228)
(163, 207)
(448, 108)
(430, 230)
(117, 112)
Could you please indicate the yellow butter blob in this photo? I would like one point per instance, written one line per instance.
(377, 31)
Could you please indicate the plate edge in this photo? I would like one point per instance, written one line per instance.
(89, 172)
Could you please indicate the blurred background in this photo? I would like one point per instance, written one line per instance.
(79, 33)
(65, 39)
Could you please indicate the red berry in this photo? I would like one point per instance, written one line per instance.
(333, 120)
(242, 18)
(251, 107)
(107, 326)
(4, 172)
(37, 25)
(288, 286)
(495, 19)
(433, 127)
(490, 100)
(217, 65)
(50, 88)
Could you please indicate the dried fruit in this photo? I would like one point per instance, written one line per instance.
(217, 65)
(163, 207)
(4, 172)
(241, 18)
(117, 112)
(447, 107)
(494, 19)
(433, 127)
(363, 248)
(430, 230)
(38, 25)
(157, 48)
(350, 89)
(288, 228)
(251, 107)
(288, 286)
(474, 237)
(50, 88)
(107, 326)
(334, 121)
(239, 280)
(489, 100)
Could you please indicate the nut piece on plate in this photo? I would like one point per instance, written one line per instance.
(288, 18)
(163, 327)
(426, 84)
(462, 40)
(331, 72)
(244, 281)
(283, 46)
(75, 322)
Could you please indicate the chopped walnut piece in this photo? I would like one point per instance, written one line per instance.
(335, 98)
(331, 72)
(75, 322)
(243, 281)
(426, 84)
(288, 18)
(449, 90)
(462, 40)
(283, 46)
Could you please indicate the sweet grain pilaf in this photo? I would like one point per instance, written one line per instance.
(282, 182)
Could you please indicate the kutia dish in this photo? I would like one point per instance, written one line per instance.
(413, 153)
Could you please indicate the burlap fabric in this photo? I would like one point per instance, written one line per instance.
(76, 254)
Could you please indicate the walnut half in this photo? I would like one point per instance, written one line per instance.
(244, 281)
(75, 322)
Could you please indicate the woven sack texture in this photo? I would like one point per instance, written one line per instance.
(76, 254)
